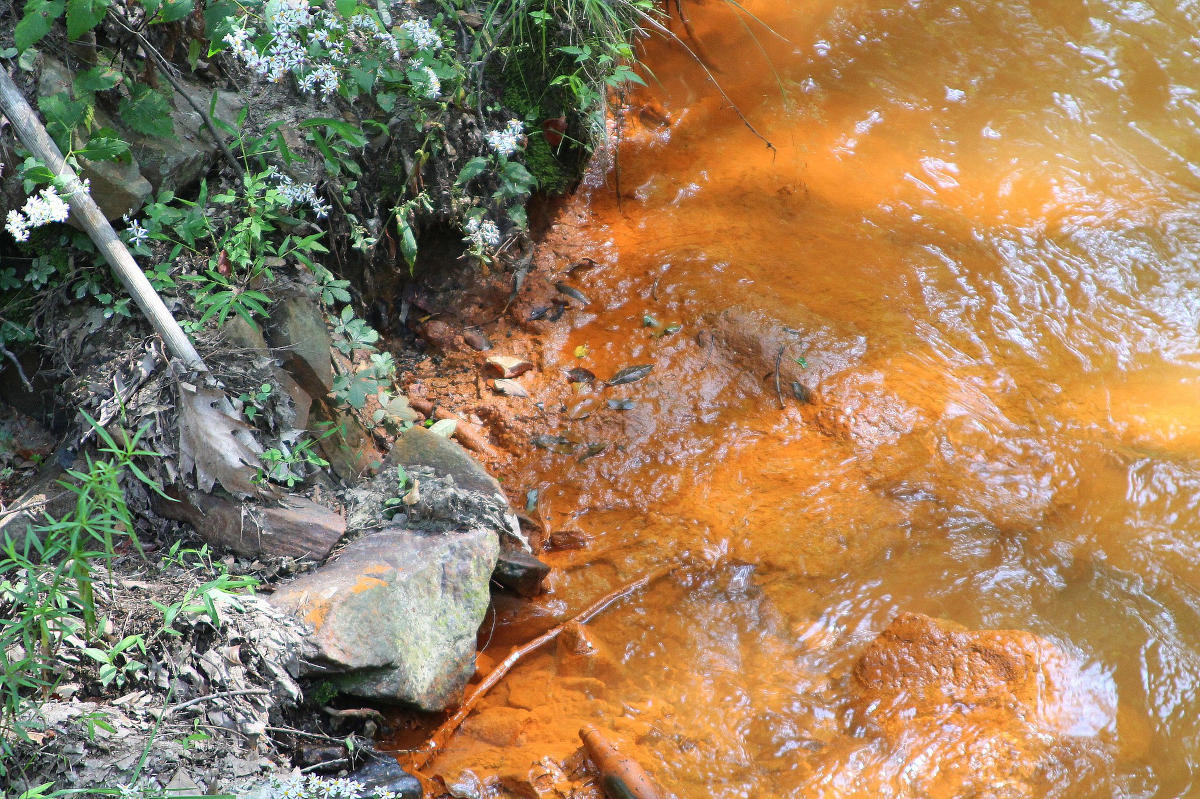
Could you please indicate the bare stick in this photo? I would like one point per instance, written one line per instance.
(20, 372)
(444, 733)
(217, 695)
(33, 135)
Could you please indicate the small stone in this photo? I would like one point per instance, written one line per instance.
(477, 340)
(567, 539)
(520, 572)
(510, 388)
(508, 366)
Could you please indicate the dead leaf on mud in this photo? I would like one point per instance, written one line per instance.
(219, 446)
(631, 374)
(559, 444)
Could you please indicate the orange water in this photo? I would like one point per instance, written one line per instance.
(1001, 198)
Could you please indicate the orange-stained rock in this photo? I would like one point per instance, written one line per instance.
(941, 711)
(919, 666)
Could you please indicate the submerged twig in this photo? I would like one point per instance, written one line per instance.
(446, 731)
(652, 22)
(778, 390)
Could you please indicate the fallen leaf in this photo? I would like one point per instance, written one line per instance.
(558, 444)
(214, 442)
(631, 374)
(572, 292)
(622, 404)
(581, 375)
(582, 351)
(510, 388)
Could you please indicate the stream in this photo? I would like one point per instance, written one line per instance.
(938, 353)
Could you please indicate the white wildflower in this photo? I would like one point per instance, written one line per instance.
(289, 16)
(362, 22)
(483, 233)
(507, 140)
(321, 209)
(421, 34)
(46, 207)
(431, 87)
(17, 225)
(138, 235)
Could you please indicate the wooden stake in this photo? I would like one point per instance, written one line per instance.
(34, 136)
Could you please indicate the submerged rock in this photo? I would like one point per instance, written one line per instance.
(395, 616)
(938, 710)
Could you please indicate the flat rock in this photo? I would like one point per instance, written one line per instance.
(419, 447)
(397, 613)
(297, 527)
(939, 710)
(506, 366)
(297, 331)
(823, 347)
(520, 572)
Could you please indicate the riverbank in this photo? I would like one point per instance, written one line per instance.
(164, 519)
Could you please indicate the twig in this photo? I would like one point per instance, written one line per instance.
(165, 68)
(778, 360)
(21, 372)
(316, 736)
(341, 761)
(217, 695)
(442, 735)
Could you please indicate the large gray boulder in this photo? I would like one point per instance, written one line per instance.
(396, 615)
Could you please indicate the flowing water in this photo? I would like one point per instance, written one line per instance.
(976, 243)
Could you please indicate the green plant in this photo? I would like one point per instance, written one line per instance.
(117, 665)
(280, 463)
(47, 580)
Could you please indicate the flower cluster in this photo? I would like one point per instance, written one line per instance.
(432, 88)
(315, 47)
(421, 34)
(507, 140)
(314, 787)
(482, 234)
(46, 207)
(293, 193)
(138, 235)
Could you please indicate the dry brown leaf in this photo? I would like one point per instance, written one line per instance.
(216, 443)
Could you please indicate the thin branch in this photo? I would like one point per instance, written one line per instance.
(444, 733)
(658, 26)
(778, 360)
(165, 68)
(21, 372)
(217, 695)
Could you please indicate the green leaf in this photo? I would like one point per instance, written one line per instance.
(147, 111)
(96, 79)
(351, 134)
(473, 169)
(83, 15)
(444, 427)
(62, 115)
(103, 148)
(39, 16)
(175, 11)
(346, 7)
